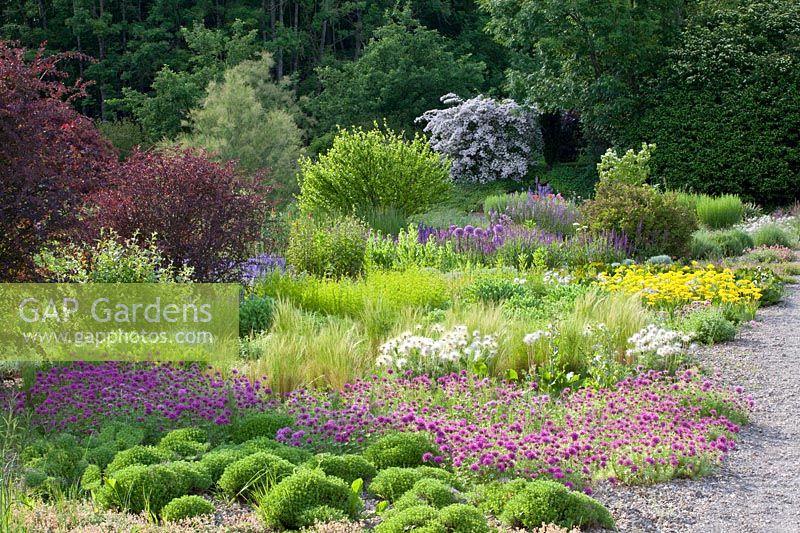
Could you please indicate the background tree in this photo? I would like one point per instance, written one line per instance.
(402, 73)
(248, 118)
(585, 55)
(725, 109)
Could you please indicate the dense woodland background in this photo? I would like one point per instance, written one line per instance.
(715, 84)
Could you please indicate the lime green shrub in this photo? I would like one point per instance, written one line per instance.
(186, 507)
(192, 475)
(462, 518)
(364, 170)
(718, 212)
(391, 483)
(186, 442)
(53, 464)
(100, 455)
(92, 478)
(258, 425)
(327, 245)
(772, 235)
(346, 467)
(139, 487)
(400, 449)
(253, 473)
(492, 497)
(290, 504)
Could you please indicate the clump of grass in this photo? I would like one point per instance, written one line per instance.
(388, 220)
(719, 212)
(707, 244)
(772, 235)
(303, 350)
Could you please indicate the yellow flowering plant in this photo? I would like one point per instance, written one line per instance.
(677, 286)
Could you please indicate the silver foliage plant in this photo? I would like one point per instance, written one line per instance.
(486, 139)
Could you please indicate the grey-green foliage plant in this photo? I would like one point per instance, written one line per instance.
(110, 259)
(710, 326)
(369, 169)
(250, 119)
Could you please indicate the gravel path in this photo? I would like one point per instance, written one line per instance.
(758, 486)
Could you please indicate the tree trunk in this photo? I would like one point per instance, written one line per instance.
(322, 38)
(43, 14)
(279, 51)
(296, 26)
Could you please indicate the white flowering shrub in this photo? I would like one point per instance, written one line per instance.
(442, 352)
(486, 139)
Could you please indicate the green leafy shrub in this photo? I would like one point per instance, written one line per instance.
(100, 455)
(217, 460)
(494, 289)
(289, 503)
(386, 220)
(293, 454)
(493, 497)
(139, 487)
(332, 246)
(139, 455)
(259, 425)
(771, 235)
(771, 254)
(92, 478)
(322, 515)
(252, 473)
(710, 326)
(186, 442)
(409, 519)
(704, 246)
(110, 259)
(186, 507)
(391, 483)
(655, 222)
(462, 518)
(191, 475)
(255, 314)
(54, 463)
(346, 467)
(429, 491)
(364, 170)
(719, 212)
(400, 449)
(548, 502)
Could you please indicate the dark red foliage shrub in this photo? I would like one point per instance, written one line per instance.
(202, 213)
(50, 156)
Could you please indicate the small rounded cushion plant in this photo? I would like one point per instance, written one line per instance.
(191, 475)
(259, 425)
(414, 518)
(428, 491)
(401, 449)
(139, 487)
(139, 455)
(391, 483)
(293, 454)
(548, 502)
(255, 471)
(462, 518)
(218, 459)
(291, 503)
(369, 169)
(186, 507)
(186, 442)
(346, 467)
(92, 478)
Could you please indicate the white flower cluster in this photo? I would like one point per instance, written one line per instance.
(662, 342)
(754, 224)
(453, 346)
(533, 338)
(558, 278)
(485, 138)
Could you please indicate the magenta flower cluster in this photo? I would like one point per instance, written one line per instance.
(650, 427)
(80, 396)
